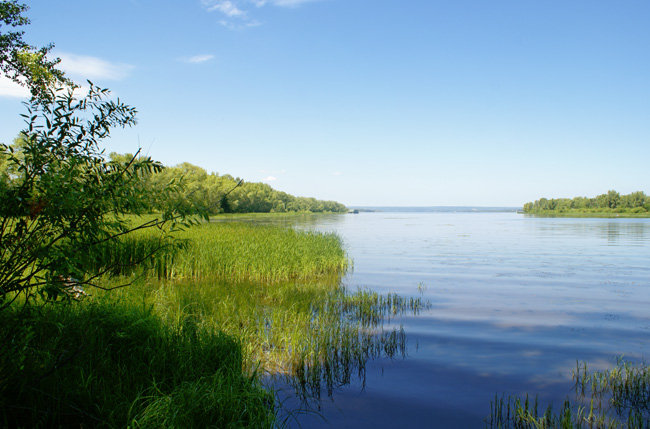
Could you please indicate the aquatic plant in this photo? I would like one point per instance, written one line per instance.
(230, 251)
(276, 289)
(270, 296)
(314, 335)
(613, 398)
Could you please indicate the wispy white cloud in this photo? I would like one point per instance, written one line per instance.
(76, 67)
(10, 89)
(236, 11)
(336, 173)
(227, 7)
(87, 67)
(269, 179)
(197, 59)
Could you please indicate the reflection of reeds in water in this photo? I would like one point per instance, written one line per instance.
(276, 290)
(313, 335)
(346, 331)
(614, 398)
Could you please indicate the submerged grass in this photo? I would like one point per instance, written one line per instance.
(314, 335)
(277, 290)
(613, 398)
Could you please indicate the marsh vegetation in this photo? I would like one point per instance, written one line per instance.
(218, 307)
(613, 398)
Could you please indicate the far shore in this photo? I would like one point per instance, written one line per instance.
(589, 214)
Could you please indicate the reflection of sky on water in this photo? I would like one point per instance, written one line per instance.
(515, 300)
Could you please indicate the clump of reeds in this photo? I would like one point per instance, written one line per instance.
(231, 251)
(613, 398)
(314, 334)
(371, 308)
(345, 331)
(276, 291)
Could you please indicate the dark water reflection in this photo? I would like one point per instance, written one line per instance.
(516, 300)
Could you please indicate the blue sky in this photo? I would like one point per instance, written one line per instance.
(372, 102)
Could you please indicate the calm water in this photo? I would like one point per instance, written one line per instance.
(515, 300)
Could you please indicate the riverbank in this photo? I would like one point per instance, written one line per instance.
(185, 343)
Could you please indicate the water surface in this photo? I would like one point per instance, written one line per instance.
(516, 300)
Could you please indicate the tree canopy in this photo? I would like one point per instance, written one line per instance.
(612, 201)
(60, 197)
(212, 193)
(21, 62)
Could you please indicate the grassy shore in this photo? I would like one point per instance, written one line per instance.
(186, 343)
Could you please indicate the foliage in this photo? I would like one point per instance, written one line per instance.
(611, 202)
(21, 62)
(62, 198)
(213, 193)
(162, 354)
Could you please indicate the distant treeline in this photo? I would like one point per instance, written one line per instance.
(611, 202)
(213, 193)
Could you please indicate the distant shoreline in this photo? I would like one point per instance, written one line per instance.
(434, 209)
(606, 215)
(609, 205)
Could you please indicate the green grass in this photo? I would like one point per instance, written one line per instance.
(185, 344)
(315, 335)
(115, 365)
(615, 398)
(277, 290)
(233, 251)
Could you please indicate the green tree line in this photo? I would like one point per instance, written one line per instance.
(212, 193)
(204, 192)
(611, 202)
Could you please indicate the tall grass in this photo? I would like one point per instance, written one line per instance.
(615, 398)
(102, 364)
(237, 252)
(315, 335)
(207, 312)
(277, 290)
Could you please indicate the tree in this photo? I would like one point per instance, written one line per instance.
(67, 199)
(60, 198)
(21, 62)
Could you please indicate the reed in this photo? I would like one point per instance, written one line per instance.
(615, 398)
(233, 251)
(277, 290)
(314, 335)
(208, 311)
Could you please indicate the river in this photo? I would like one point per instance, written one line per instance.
(515, 302)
